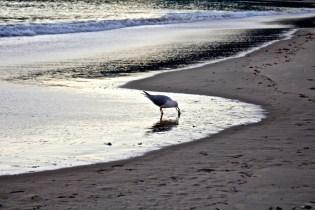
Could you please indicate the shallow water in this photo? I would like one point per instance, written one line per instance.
(53, 127)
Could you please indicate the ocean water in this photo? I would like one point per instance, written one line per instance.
(38, 17)
(62, 63)
(97, 39)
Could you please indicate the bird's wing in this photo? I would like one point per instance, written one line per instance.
(158, 100)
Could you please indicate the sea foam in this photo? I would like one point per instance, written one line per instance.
(32, 29)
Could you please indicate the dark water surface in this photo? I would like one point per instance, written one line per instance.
(169, 56)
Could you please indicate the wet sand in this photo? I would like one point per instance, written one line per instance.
(269, 165)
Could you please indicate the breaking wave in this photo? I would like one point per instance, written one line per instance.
(32, 29)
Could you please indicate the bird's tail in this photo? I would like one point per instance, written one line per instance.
(146, 94)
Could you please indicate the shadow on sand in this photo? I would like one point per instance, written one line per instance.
(163, 126)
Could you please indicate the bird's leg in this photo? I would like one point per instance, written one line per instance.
(161, 113)
(178, 112)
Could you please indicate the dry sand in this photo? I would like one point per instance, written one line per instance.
(270, 165)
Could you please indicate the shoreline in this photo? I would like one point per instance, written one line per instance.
(229, 196)
(286, 35)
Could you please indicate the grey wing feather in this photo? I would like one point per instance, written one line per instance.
(158, 100)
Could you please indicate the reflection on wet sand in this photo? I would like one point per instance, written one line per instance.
(163, 126)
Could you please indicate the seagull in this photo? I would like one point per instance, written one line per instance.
(163, 102)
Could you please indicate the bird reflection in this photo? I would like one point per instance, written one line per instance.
(163, 126)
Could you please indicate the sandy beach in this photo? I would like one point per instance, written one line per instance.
(269, 165)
